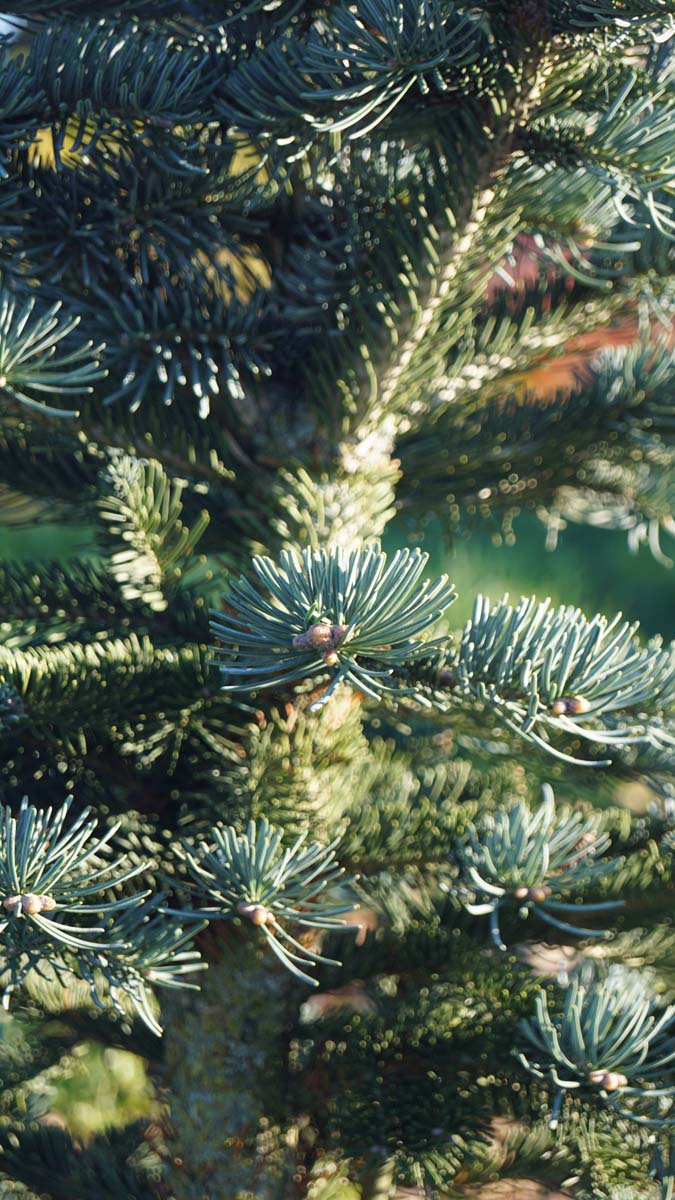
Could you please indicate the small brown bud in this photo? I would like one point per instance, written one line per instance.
(611, 1081)
(315, 637)
(330, 658)
(321, 636)
(570, 705)
(535, 894)
(256, 913)
(29, 904)
(586, 841)
(538, 894)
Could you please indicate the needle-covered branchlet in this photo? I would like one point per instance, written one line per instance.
(275, 887)
(33, 364)
(553, 675)
(67, 908)
(354, 614)
(613, 1037)
(535, 862)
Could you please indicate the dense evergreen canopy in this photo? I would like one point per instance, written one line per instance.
(271, 273)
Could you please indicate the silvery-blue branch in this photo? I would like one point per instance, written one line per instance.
(352, 615)
(549, 672)
(66, 907)
(254, 877)
(30, 363)
(613, 1038)
(530, 861)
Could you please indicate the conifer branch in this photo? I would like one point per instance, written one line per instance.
(549, 672)
(143, 511)
(31, 365)
(60, 685)
(329, 511)
(531, 861)
(614, 471)
(293, 228)
(103, 81)
(351, 613)
(613, 1038)
(53, 874)
(253, 877)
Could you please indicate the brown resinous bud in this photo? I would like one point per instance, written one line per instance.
(28, 904)
(535, 894)
(611, 1081)
(324, 637)
(573, 706)
(257, 914)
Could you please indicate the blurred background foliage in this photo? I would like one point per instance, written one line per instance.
(590, 568)
(98, 1088)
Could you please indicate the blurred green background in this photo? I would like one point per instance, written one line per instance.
(590, 568)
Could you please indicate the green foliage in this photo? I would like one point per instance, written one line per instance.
(252, 876)
(110, 1166)
(550, 672)
(407, 1070)
(105, 92)
(328, 511)
(30, 362)
(142, 510)
(296, 264)
(533, 859)
(358, 70)
(354, 613)
(612, 1037)
(177, 342)
(58, 683)
(86, 216)
(300, 770)
(580, 442)
(53, 875)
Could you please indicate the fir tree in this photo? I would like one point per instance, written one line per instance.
(258, 801)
